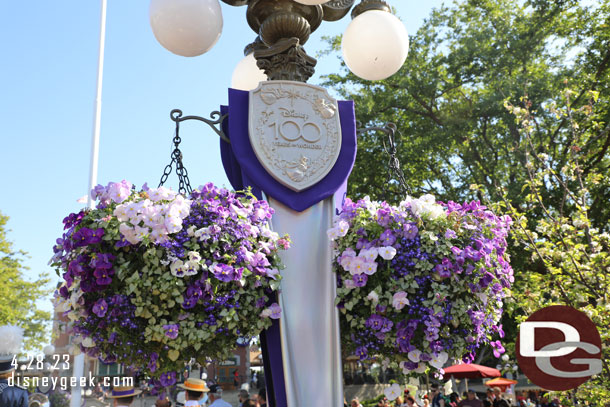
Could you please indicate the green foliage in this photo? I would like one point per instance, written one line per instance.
(59, 399)
(509, 102)
(572, 256)
(18, 296)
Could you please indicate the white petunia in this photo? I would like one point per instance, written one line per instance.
(439, 361)
(357, 266)
(346, 262)
(333, 233)
(349, 284)
(191, 268)
(399, 300)
(370, 268)
(392, 392)
(202, 234)
(194, 256)
(177, 268)
(342, 228)
(121, 213)
(88, 343)
(421, 368)
(129, 233)
(369, 254)
(414, 355)
(387, 252)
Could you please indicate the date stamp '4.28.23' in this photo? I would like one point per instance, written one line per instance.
(56, 370)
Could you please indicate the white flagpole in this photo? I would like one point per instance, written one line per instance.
(79, 360)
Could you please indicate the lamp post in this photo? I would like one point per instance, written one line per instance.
(375, 44)
(296, 150)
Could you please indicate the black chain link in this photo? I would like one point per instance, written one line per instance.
(184, 185)
(394, 170)
(389, 146)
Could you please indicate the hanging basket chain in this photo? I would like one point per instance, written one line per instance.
(389, 146)
(184, 185)
(393, 162)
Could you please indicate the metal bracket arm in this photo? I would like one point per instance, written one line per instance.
(215, 122)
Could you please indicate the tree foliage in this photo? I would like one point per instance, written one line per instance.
(509, 102)
(18, 296)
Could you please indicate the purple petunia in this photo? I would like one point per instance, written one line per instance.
(85, 236)
(360, 280)
(168, 379)
(100, 308)
(375, 322)
(223, 272)
(498, 349)
(171, 331)
(410, 230)
(276, 311)
(444, 269)
(102, 276)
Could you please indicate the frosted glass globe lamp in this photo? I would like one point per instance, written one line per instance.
(186, 27)
(375, 44)
(247, 75)
(311, 2)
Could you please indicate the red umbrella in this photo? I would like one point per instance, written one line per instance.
(500, 382)
(471, 371)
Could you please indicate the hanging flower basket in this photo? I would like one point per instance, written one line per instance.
(153, 278)
(420, 283)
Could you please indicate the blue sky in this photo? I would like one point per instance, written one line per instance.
(47, 88)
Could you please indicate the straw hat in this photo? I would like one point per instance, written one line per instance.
(123, 391)
(193, 384)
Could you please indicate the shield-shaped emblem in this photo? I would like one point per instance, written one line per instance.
(295, 132)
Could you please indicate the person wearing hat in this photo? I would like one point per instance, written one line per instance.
(123, 396)
(195, 389)
(215, 395)
(471, 400)
(10, 396)
(243, 396)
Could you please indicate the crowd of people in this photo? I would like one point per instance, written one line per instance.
(493, 397)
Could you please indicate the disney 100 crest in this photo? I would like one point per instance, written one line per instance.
(295, 132)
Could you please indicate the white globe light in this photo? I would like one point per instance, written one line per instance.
(48, 350)
(247, 75)
(186, 27)
(375, 45)
(311, 2)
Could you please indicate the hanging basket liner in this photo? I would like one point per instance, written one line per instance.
(471, 371)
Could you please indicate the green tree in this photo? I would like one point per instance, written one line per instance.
(447, 100)
(18, 297)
